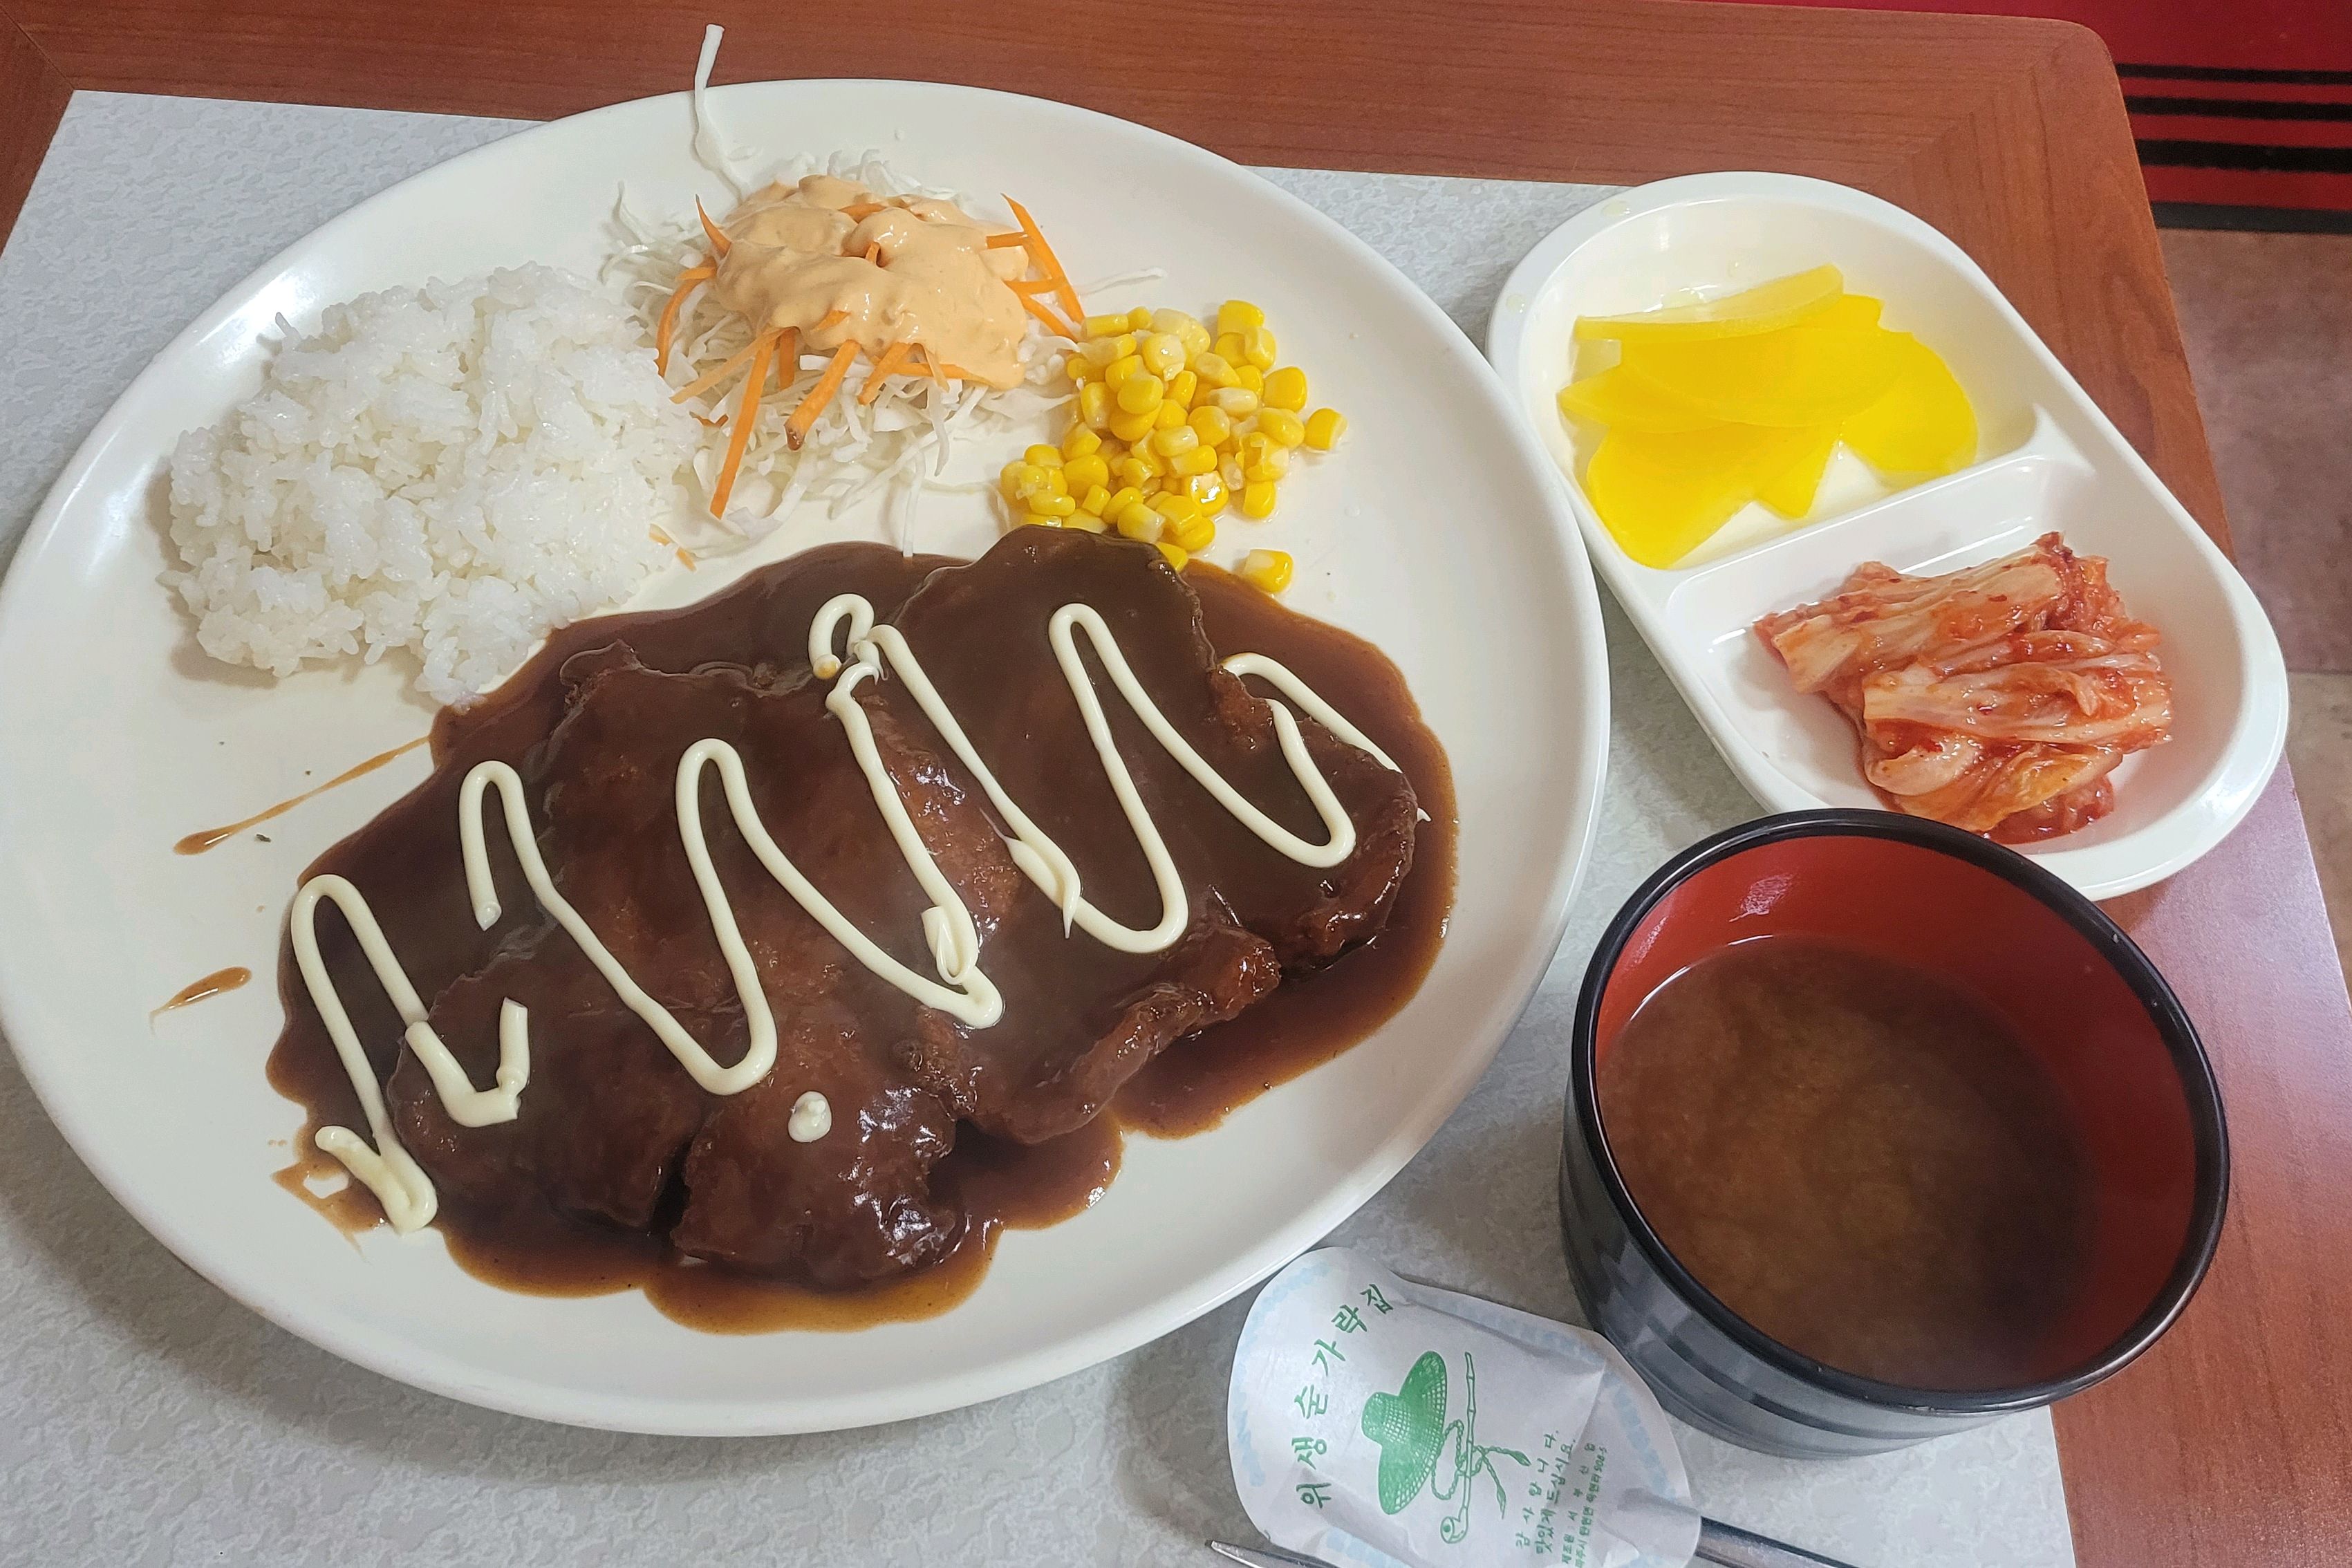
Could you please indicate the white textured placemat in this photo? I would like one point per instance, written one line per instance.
(145, 1418)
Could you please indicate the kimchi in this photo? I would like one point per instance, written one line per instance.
(1998, 699)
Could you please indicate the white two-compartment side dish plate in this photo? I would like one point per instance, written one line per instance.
(120, 737)
(2048, 460)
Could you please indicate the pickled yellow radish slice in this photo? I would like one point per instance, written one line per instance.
(1922, 424)
(1782, 302)
(1804, 375)
(1790, 491)
(1662, 494)
(1622, 403)
(1856, 312)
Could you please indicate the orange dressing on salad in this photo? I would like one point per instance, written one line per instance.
(798, 258)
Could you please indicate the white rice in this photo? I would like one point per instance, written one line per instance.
(451, 472)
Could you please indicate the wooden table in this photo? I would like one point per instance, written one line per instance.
(2230, 1443)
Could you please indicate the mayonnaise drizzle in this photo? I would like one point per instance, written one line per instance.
(962, 991)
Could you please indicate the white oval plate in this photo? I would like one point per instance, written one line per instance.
(2048, 459)
(1437, 531)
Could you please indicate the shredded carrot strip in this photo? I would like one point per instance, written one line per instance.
(956, 373)
(1043, 312)
(891, 359)
(874, 251)
(719, 243)
(930, 365)
(685, 558)
(668, 327)
(761, 348)
(832, 319)
(714, 424)
(796, 428)
(858, 212)
(1047, 262)
(1007, 241)
(698, 387)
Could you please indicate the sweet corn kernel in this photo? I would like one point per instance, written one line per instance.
(1238, 402)
(1015, 478)
(1140, 319)
(1263, 458)
(1041, 454)
(1282, 424)
(1229, 346)
(1167, 321)
(1168, 416)
(1121, 498)
(1080, 442)
(1192, 534)
(1075, 367)
(1101, 352)
(1250, 376)
(1230, 470)
(1173, 484)
(1257, 498)
(1139, 521)
(1211, 425)
(1268, 571)
(1198, 460)
(1162, 353)
(1094, 405)
(1086, 521)
(1239, 316)
(1209, 491)
(1175, 440)
(1176, 554)
(1050, 506)
(1287, 388)
(1152, 462)
(1214, 369)
(1131, 475)
(1324, 428)
(1109, 326)
(1195, 338)
(1133, 426)
(1097, 498)
(1182, 388)
(1083, 473)
(1039, 520)
(1175, 507)
(1258, 347)
(1138, 394)
(1122, 370)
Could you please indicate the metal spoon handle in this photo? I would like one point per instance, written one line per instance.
(1731, 1547)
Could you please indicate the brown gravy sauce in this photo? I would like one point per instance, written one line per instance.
(214, 984)
(198, 842)
(1307, 1020)
(1858, 1159)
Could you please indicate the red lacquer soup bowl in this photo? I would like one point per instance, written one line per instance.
(2070, 987)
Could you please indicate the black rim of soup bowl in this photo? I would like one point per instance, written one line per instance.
(2199, 1087)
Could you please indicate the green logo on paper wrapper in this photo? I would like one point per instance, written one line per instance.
(1413, 1435)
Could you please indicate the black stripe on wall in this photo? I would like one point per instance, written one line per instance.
(2238, 73)
(2239, 108)
(2169, 154)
